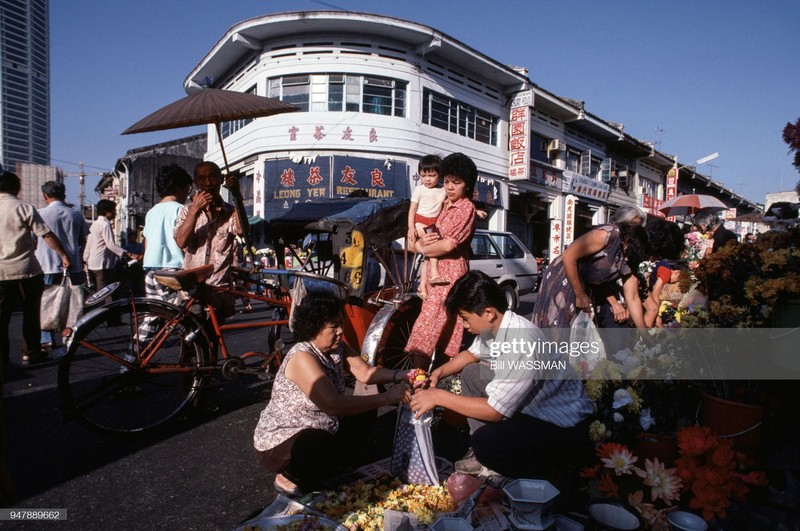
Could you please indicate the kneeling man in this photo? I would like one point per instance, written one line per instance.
(527, 410)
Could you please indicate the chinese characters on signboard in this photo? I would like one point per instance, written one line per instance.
(651, 205)
(569, 219)
(349, 134)
(519, 135)
(287, 182)
(586, 186)
(555, 239)
(672, 185)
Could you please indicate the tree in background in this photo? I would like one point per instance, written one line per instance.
(791, 135)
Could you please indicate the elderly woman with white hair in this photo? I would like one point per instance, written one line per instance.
(596, 273)
(708, 222)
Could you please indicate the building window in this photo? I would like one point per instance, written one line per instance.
(346, 92)
(228, 128)
(451, 115)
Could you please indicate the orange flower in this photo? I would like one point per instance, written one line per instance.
(607, 485)
(605, 449)
(590, 472)
(696, 440)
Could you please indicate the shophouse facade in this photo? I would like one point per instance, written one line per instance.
(377, 93)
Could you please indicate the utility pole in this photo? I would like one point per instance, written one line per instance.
(82, 181)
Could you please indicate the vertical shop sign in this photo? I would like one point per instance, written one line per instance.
(569, 219)
(672, 185)
(555, 239)
(519, 128)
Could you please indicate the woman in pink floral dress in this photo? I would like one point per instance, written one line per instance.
(455, 226)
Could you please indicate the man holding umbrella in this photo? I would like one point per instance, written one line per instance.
(206, 230)
(709, 222)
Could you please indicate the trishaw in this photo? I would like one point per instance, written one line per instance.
(136, 363)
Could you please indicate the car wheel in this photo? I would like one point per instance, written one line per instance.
(510, 294)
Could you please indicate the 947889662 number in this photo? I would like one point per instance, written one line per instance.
(33, 514)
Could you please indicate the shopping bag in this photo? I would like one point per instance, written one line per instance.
(413, 460)
(77, 294)
(54, 308)
(586, 345)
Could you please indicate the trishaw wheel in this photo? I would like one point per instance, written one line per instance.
(390, 351)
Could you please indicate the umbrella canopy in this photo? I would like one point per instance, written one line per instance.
(690, 203)
(213, 106)
(750, 217)
(209, 106)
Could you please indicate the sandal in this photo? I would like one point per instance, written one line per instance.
(283, 485)
(438, 281)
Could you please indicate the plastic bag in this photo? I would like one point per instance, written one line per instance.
(413, 459)
(54, 308)
(586, 345)
(462, 486)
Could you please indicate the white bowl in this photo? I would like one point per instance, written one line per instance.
(686, 521)
(529, 497)
(612, 517)
(449, 523)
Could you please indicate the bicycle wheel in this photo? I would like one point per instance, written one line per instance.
(102, 392)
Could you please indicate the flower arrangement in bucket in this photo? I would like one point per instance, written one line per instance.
(712, 472)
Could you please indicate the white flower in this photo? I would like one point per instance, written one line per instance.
(618, 417)
(621, 398)
(645, 420)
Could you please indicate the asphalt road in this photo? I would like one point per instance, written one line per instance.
(200, 474)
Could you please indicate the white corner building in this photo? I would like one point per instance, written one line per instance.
(377, 93)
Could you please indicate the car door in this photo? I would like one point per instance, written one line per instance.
(518, 262)
(484, 256)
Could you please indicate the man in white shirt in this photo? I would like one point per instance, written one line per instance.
(101, 252)
(526, 408)
(68, 225)
(20, 272)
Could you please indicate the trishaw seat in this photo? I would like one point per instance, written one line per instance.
(183, 279)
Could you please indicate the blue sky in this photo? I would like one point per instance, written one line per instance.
(696, 77)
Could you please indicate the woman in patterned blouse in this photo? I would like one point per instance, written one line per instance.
(311, 427)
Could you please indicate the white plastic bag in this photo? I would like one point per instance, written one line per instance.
(54, 308)
(413, 459)
(586, 345)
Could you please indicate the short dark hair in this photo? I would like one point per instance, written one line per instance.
(170, 178)
(665, 238)
(104, 206)
(314, 312)
(211, 165)
(474, 292)
(429, 163)
(9, 183)
(460, 166)
(54, 189)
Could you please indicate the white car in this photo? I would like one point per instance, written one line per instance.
(504, 258)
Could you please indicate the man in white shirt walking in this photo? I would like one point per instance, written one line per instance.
(102, 252)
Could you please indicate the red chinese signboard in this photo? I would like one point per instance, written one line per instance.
(519, 134)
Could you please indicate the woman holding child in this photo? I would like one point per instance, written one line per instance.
(450, 244)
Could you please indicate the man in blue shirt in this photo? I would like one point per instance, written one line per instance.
(68, 225)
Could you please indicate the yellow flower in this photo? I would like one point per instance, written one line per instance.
(597, 430)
